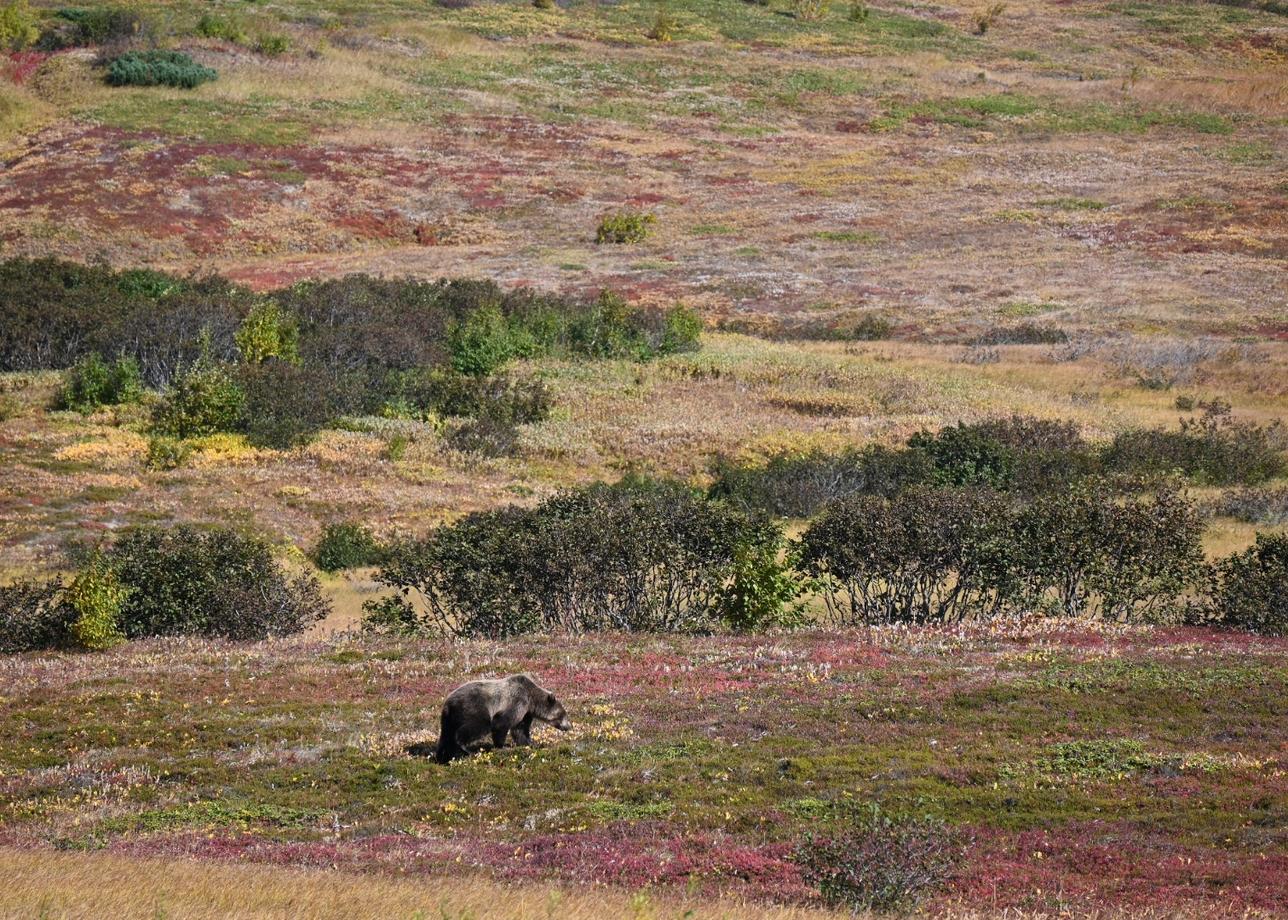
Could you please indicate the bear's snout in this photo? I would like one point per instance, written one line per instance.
(563, 724)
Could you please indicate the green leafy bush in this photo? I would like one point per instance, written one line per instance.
(809, 10)
(166, 453)
(393, 616)
(18, 28)
(1019, 453)
(625, 227)
(638, 555)
(346, 545)
(95, 597)
(225, 28)
(57, 312)
(186, 581)
(92, 383)
(272, 45)
(763, 592)
(515, 401)
(268, 332)
(1083, 552)
(157, 68)
(663, 30)
(484, 341)
(205, 399)
(1251, 587)
(933, 555)
(33, 616)
(879, 862)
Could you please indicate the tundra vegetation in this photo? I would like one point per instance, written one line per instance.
(867, 417)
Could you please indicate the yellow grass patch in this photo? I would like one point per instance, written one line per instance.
(115, 448)
(67, 885)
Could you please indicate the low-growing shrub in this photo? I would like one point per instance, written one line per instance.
(1018, 453)
(798, 485)
(484, 437)
(205, 399)
(93, 382)
(638, 555)
(1082, 552)
(33, 616)
(1022, 334)
(282, 405)
(986, 16)
(809, 10)
(1212, 449)
(346, 545)
(879, 863)
(934, 555)
(393, 616)
(516, 401)
(272, 45)
(1254, 506)
(1251, 587)
(109, 25)
(187, 581)
(664, 26)
(225, 28)
(485, 340)
(625, 227)
(166, 453)
(157, 68)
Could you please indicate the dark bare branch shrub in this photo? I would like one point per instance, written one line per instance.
(1253, 506)
(928, 555)
(1212, 449)
(798, 485)
(1251, 588)
(33, 616)
(186, 581)
(638, 555)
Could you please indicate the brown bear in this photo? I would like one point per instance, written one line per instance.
(488, 710)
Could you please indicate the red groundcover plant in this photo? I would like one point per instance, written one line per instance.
(880, 862)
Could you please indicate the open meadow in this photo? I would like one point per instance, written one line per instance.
(867, 417)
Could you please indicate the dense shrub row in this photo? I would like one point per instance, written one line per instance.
(156, 581)
(280, 367)
(1020, 455)
(655, 556)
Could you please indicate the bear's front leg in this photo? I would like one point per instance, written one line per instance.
(502, 722)
(521, 734)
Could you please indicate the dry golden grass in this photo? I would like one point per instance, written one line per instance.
(70, 886)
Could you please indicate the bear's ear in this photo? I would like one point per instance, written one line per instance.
(550, 699)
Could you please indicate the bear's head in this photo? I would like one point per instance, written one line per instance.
(549, 709)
